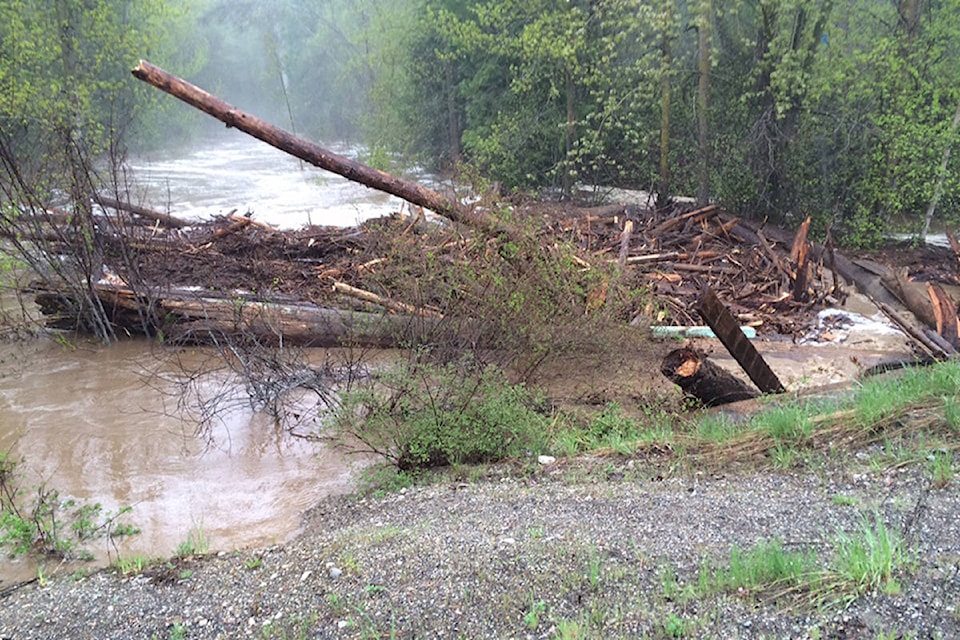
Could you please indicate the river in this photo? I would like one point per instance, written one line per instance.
(98, 424)
(237, 172)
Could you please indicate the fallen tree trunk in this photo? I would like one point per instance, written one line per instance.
(186, 318)
(700, 378)
(945, 313)
(318, 156)
(913, 295)
(157, 216)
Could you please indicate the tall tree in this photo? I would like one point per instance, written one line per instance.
(704, 21)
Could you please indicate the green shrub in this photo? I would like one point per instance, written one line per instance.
(420, 415)
(40, 521)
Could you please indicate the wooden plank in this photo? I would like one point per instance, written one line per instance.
(728, 331)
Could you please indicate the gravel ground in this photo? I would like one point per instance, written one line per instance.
(592, 549)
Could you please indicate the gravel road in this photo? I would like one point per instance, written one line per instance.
(586, 549)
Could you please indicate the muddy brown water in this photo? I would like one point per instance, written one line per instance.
(87, 423)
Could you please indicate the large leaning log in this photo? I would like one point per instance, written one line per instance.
(157, 216)
(700, 378)
(317, 155)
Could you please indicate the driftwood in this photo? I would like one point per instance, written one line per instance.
(163, 218)
(186, 318)
(393, 306)
(320, 157)
(912, 295)
(945, 314)
(920, 338)
(799, 255)
(701, 378)
(625, 243)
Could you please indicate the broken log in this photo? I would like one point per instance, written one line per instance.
(728, 331)
(945, 313)
(919, 337)
(952, 239)
(799, 254)
(163, 218)
(700, 214)
(625, 243)
(184, 317)
(320, 157)
(701, 378)
(912, 295)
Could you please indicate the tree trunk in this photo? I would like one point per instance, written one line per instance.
(186, 318)
(941, 176)
(703, 104)
(453, 117)
(663, 190)
(318, 156)
(163, 218)
(567, 185)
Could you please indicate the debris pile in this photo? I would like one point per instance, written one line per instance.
(769, 279)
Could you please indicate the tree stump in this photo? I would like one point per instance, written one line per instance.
(700, 378)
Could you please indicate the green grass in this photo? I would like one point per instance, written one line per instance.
(766, 566)
(134, 565)
(868, 559)
(905, 413)
(940, 468)
(842, 500)
(196, 543)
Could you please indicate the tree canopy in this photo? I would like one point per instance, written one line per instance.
(846, 110)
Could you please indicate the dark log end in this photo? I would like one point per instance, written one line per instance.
(700, 378)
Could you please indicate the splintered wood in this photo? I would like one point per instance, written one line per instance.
(766, 281)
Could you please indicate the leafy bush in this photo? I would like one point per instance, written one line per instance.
(421, 415)
(48, 524)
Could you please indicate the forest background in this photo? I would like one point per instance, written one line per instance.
(843, 110)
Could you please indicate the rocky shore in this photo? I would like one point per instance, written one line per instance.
(591, 549)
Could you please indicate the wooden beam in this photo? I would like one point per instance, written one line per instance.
(728, 331)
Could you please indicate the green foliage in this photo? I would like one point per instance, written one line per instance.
(532, 617)
(941, 468)
(37, 520)
(422, 415)
(64, 70)
(676, 627)
(610, 428)
(869, 559)
(196, 544)
(763, 567)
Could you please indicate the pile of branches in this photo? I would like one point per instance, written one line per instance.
(763, 275)
(769, 278)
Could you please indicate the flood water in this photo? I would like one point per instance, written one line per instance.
(236, 172)
(91, 421)
(98, 425)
